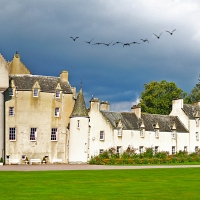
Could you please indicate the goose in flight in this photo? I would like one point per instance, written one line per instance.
(89, 41)
(135, 43)
(98, 43)
(158, 36)
(117, 43)
(74, 38)
(107, 44)
(126, 44)
(171, 32)
(145, 40)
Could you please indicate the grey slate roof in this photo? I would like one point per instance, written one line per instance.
(79, 109)
(47, 83)
(165, 122)
(131, 122)
(190, 110)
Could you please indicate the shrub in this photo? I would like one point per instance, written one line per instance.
(145, 161)
(1, 159)
(148, 153)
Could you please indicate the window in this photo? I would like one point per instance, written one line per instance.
(173, 149)
(78, 123)
(157, 133)
(156, 149)
(100, 151)
(197, 121)
(197, 136)
(185, 148)
(173, 134)
(33, 134)
(57, 94)
(12, 133)
(57, 112)
(119, 149)
(54, 134)
(11, 111)
(141, 149)
(35, 92)
(102, 135)
(119, 132)
(142, 132)
(11, 92)
(196, 149)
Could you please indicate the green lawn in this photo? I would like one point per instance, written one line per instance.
(102, 184)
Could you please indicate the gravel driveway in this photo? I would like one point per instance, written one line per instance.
(47, 167)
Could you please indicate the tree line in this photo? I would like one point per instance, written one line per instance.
(157, 96)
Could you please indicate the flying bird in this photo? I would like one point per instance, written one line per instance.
(126, 44)
(74, 38)
(145, 40)
(171, 32)
(117, 43)
(135, 43)
(98, 43)
(107, 44)
(158, 36)
(89, 41)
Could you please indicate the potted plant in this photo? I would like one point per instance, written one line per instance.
(1, 161)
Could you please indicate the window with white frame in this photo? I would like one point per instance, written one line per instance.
(78, 124)
(57, 112)
(197, 121)
(173, 134)
(196, 149)
(33, 134)
(11, 92)
(141, 149)
(11, 111)
(54, 132)
(119, 132)
(157, 133)
(119, 149)
(12, 133)
(156, 149)
(102, 135)
(35, 92)
(142, 132)
(197, 136)
(185, 148)
(100, 151)
(173, 149)
(57, 94)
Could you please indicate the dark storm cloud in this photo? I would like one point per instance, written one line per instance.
(41, 30)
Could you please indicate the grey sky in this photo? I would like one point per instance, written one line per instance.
(41, 30)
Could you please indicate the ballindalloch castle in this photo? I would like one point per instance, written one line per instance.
(44, 116)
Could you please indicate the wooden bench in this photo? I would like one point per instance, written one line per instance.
(13, 161)
(35, 160)
(56, 160)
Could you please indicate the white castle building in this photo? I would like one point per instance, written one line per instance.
(41, 116)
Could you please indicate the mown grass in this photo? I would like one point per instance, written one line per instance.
(182, 183)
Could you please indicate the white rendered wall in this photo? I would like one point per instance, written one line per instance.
(78, 140)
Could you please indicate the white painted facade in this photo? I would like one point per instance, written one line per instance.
(78, 140)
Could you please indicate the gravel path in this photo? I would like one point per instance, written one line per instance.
(48, 167)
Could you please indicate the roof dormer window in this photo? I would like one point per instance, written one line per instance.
(35, 92)
(57, 94)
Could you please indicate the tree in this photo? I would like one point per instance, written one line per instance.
(194, 95)
(157, 97)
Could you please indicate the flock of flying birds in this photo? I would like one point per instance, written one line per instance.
(124, 44)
